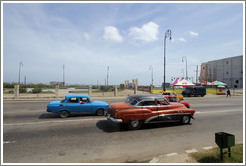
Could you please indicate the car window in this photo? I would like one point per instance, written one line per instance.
(84, 100)
(147, 103)
(163, 101)
(130, 101)
(172, 99)
(73, 100)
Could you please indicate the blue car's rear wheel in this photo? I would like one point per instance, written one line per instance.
(64, 114)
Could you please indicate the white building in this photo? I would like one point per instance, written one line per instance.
(228, 70)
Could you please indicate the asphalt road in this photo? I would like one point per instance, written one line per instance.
(31, 135)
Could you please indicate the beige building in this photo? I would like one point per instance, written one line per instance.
(228, 70)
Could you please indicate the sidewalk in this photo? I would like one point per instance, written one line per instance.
(173, 158)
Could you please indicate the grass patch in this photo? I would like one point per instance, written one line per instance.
(213, 155)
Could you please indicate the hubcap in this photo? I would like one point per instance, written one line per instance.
(134, 123)
(185, 119)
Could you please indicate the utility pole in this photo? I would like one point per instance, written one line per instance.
(152, 80)
(196, 73)
(20, 65)
(107, 75)
(63, 75)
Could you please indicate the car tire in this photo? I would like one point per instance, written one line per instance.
(100, 112)
(64, 114)
(187, 106)
(185, 119)
(135, 124)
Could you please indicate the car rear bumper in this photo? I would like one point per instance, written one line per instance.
(113, 119)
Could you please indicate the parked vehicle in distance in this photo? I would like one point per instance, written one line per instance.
(173, 93)
(77, 103)
(194, 91)
(172, 98)
(139, 109)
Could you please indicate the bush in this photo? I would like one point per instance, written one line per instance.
(37, 90)
(22, 90)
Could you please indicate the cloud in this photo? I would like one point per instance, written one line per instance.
(193, 34)
(147, 33)
(182, 39)
(111, 34)
(87, 36)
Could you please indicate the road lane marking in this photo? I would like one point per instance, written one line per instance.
(207, 112)
(9, 142)
(208, 148)
(191, 151)
(154, 160)
(171, 154)
(60, 121)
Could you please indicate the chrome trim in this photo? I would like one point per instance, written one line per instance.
(114, 120)
(153, 117)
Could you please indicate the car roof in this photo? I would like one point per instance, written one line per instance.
(77, 95)
(140, 97)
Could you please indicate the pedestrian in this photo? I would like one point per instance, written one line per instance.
(228, 93)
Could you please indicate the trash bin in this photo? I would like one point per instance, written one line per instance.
(224, 140)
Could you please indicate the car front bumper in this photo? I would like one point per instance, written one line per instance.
(113, 119)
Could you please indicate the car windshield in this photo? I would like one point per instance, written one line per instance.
(172, 99)
(62, 101)
(130, 101)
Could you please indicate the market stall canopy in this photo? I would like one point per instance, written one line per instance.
(219, 83)
(207, 83)
(184, 83)
(176, 81)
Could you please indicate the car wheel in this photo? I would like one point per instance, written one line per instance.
(64, 114)
(134, 124)
(188, 106)
(100, 112)
(185, 119)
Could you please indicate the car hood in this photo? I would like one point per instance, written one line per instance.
(54, 102)
(185, 103)
(177, 104)
(100, 103)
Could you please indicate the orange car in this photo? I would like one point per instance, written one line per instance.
(137, 110)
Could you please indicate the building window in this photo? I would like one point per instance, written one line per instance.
(237, 81)
(227, 62)
(227, 72)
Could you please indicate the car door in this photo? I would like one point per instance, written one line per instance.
(149, 110)
(165, 112)
(72, 104)
(85, 105)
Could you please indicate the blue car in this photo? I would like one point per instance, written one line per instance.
(77, 103)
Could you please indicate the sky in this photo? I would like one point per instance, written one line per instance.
(86, 38)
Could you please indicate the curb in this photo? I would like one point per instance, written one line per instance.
(182, 157)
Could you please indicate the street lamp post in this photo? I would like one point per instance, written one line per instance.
(168, 34)
(63, 75)
(186, 77)
(107, 74)
(20, 65)
(151, 68)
